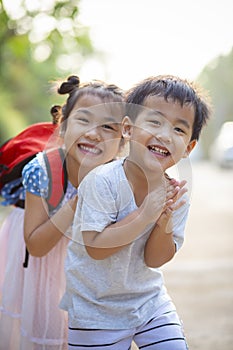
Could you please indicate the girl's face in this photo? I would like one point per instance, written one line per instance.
(161, 134)
(93, 132)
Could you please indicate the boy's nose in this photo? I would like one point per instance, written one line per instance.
(164, 135)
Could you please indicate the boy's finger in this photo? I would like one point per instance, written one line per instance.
(176, 205)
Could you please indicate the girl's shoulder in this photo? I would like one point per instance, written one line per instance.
(36, 179)
(34, 176)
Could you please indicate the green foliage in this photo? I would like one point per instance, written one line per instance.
(11, 121)
(30, 59)
(217, 79)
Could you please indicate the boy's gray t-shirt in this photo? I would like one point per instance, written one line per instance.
(119, 292)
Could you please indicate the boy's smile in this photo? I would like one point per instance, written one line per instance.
(161, 133)
(159, 151)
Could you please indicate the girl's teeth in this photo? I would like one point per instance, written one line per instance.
(89, 149)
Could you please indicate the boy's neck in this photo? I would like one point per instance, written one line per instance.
(140, 182)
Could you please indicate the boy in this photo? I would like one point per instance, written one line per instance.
(129, 221)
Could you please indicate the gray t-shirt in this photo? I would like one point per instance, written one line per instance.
(119, 292)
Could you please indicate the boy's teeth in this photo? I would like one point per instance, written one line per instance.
(159, 150)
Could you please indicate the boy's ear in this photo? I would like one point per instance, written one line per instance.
(127, 127)
(189, 148)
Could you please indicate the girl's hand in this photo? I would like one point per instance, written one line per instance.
(73, 202)
(153, 204)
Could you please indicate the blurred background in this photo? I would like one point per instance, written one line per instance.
(123, 42)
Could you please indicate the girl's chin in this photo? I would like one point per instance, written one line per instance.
(90, 154)
(92, 161)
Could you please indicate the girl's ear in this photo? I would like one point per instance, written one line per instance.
(127, 127)
(61, 131)
(189, 148)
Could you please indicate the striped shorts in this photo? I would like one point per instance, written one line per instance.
(163, 332)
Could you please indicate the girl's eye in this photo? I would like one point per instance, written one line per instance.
(155, 122)
(82, 119)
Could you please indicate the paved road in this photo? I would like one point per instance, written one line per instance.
(200, 278)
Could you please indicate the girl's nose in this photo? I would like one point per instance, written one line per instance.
(93, 134)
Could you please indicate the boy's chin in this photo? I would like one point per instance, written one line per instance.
(154, 165)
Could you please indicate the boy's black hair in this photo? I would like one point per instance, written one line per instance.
(172, 88)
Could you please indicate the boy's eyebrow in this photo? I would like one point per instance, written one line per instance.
(184, 122)
(178, 120)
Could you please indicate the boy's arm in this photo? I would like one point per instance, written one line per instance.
(160, 246)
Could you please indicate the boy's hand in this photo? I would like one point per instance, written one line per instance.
(178, 192)
(172, 204)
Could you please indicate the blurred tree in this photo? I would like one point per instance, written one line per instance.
(217, 78)
(39, 41)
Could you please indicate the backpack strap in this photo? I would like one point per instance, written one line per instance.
(26, 258)
(58, 179)
(57, 173)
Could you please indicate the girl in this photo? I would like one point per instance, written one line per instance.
(90, 127)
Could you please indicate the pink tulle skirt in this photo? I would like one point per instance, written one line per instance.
(30, 317)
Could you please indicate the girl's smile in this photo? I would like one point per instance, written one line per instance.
(93, 133)
(90, 149)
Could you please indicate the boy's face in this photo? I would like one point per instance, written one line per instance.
(161, 133)
(93, 132)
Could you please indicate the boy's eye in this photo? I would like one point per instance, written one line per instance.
(108, 127)
(179, 130)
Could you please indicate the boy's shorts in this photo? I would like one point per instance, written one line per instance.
(163, 332)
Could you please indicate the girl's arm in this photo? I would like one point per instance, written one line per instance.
(101, 245)
(42, 233)
(113, 238)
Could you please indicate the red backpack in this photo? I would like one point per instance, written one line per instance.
(19, 150)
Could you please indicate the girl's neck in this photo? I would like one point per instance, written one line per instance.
(73, 168)
(75, 171)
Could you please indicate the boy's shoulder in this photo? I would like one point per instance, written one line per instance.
(107, 169)
(108, 173)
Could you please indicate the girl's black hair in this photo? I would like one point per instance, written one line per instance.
(73, 87)
(172, 88)
(56, 112)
